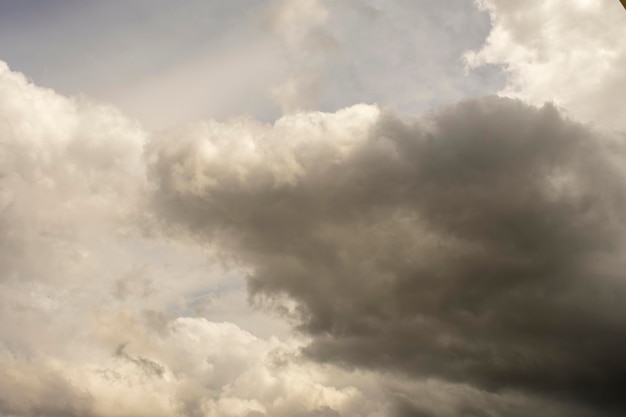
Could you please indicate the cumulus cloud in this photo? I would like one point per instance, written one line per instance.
(217, 369)
(480, 245)
(95, 315)
(464, 263)
(570, 54)
(67, 168)
(99, 318)
(70, 181)
(199, 368)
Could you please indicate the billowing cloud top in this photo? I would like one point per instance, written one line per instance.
(571, 55)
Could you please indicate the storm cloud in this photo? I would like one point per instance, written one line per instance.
(355, 262)
(481, 244)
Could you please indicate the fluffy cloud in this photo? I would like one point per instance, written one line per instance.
(198, 368)
(70, 181)
(68, 167)
(95, 315)
(480, 245)
(570, 54)
(465, 263)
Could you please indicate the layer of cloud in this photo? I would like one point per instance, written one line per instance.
(479, 245)
(570, 54)
(67, 169)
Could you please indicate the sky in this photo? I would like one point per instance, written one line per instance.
(312, 208)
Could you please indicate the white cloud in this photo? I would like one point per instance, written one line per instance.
(64, 162)
(570, 53)
(205, 369)
(94, 314)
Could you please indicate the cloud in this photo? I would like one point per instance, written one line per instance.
(68, 168)
(95, 313)
(572, 55)
(464, 263)
(479, 245)
(198, 368)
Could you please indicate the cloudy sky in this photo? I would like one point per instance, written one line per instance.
(312, 208)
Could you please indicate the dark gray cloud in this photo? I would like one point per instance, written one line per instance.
(482, 244)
